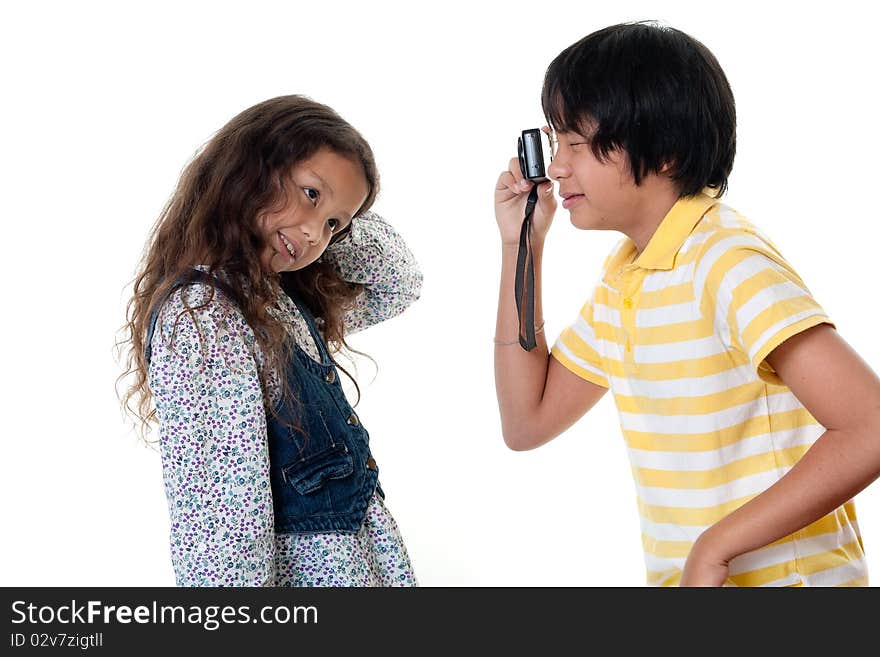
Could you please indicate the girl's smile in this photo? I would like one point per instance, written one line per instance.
(287, 246)
(322, 194)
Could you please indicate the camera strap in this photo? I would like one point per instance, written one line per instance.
(525, 277)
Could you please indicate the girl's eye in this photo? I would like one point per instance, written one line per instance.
(334, 224)
(312, 194)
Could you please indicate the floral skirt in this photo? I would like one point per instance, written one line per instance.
(375, 556)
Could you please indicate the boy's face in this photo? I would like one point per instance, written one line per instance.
(600, 195)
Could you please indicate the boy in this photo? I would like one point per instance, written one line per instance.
(749, 422)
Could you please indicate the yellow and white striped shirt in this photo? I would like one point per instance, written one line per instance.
(680, 334)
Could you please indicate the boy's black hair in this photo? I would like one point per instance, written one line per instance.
(653, 92)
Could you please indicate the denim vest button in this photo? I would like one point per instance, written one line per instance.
(352, 420)
(330, 377)
(371, 464)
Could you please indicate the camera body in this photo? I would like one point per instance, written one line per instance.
(534, 152)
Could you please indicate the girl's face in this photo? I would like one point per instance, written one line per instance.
(323, 193)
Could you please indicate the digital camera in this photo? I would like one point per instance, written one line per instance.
(534, 151)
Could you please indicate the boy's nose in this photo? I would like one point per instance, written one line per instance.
(558, 170)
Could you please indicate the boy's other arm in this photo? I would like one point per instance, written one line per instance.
(843, 393)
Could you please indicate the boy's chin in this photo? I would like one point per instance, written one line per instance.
(583, 221)
(587, 218)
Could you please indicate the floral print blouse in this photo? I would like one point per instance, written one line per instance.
(212, 433)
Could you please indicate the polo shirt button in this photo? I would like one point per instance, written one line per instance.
(330, 377)
(627, 303)
(352, 420)
(628, 347)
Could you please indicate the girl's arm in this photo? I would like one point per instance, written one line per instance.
(212, 437)
(375, 255)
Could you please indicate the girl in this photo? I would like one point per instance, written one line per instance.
(264, 258)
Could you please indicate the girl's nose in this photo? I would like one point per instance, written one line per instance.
(311, 229)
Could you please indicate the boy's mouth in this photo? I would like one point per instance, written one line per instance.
(569, 199)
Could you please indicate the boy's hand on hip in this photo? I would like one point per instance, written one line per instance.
(511, 194)
(704, 566)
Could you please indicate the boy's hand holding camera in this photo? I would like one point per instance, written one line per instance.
(510, 203)
(511, 192)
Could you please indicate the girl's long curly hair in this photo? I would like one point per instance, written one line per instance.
(211, 219)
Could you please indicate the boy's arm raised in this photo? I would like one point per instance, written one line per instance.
(538, 398)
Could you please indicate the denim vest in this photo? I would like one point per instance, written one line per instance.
(323, 476)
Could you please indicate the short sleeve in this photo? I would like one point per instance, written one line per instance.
(755, 297)
(577, 348)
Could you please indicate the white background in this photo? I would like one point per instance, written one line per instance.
(103, 106)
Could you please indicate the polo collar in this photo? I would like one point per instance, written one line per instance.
(667, 240)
